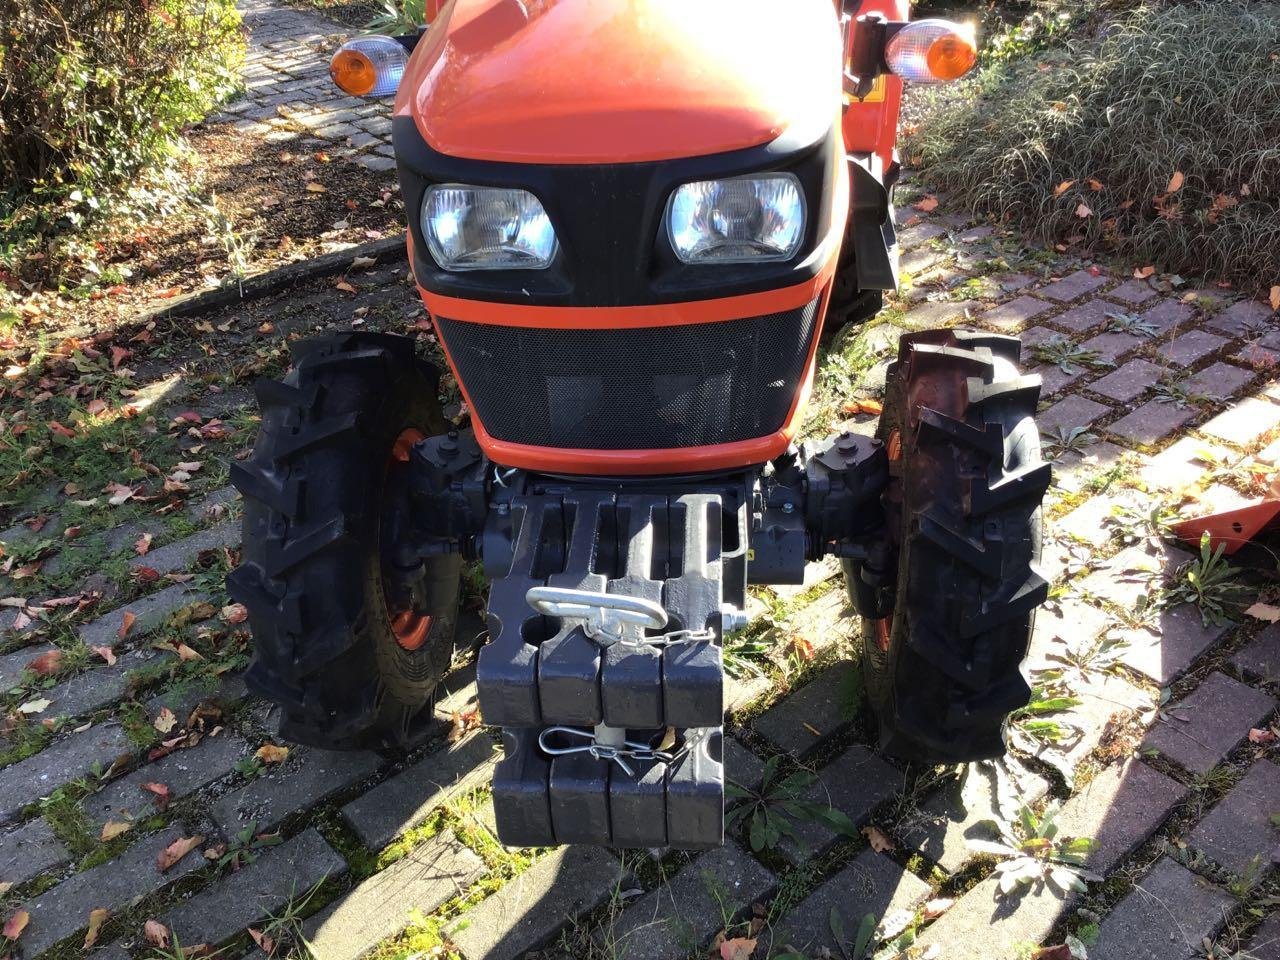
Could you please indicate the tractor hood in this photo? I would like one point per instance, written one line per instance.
(622, 81)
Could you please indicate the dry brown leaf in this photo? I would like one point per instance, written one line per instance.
(1143, 272)
(165, 720)
(462, 722)
(1275, 297)
(802, 647)
(176, 851)
(271, 753)
(937, 907)
(126, 624)
(1060, 952)
(739, 948)
(1063, 187)
(142, 544)
(1176, 182)
(47, 664)
(1084, 210)
(96, 919)
(114, 828)
(234, 613)
(313, 187)
(32, 707)
(926, 204)
(878, 839)
(1095, 185)
(1264, 611)
(187, 654)
(264, 942)
(107, 654)
(161, 793)
(1262, 737)
(344, 286)
(156, 934)
(16, 923)
(864, 406)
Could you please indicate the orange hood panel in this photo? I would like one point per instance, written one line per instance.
(622, 81)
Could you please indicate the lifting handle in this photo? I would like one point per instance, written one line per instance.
(607, 618)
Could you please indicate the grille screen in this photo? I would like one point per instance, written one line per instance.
(646, 388)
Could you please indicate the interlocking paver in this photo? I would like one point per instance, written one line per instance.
(1219, 380)
(29, 851)
(813, 713)
(1071, 412)
(741, 766)
(1190, 347)
(1181, 464)
(1205, 726)
(13, 666)
(1167, 314)
(854, 783)
(1165, 648)
(1241, 318)
(1119, 808)
(1128, 381)
(987, 925)
(101, 686)
(405, 799)
(1167, 916)
(940, 313)
(1244, 422)
(281, 875)
(1265, 942)
(1151, 422)
(181, 554)
(306, 778)
(1074, 285)
(1101, 699)
(39, 775)
(1126, 578)
(1132, 292)
(1086, 316)
(1261, 657)
(64, 910)
(1239, 831)
(1111, 346)
(1015, 314)
(432, 873)
(150, 612)
(528, 909)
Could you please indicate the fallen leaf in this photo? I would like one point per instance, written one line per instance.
(1084, 210)
(32, 707)
(1176, 182)
(739, 948)
(1275, 297)
(47, 664)
(1094, 185)
(264, 942)
(864, 406)
(234, 613)
(344, 286)
(1262, 737)
(802, 647)
(96, 919)
(363, 263)
(161, 793)
(313, 187)
(462, 722)
(878, 839)
(937, 907)
(1063, 187)
(114, 828)
(926, 204)
(1060, 952)
(1264, 611)
(186, 654)
(156, 934)
(176, 851)
(165, 720)
(107, 654)
(271, 753)
(142, 545)
(16, 923)
(126, 624)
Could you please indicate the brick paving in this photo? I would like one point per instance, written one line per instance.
(1182, 804)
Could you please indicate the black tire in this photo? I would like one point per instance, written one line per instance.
(319, 490)
(849, 305)
(964, 528)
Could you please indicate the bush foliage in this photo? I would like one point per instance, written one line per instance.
(93, 91)
(1154, 137)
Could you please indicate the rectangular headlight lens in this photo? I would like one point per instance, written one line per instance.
(487, 228)
(741, 220)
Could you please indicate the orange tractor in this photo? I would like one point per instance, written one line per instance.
(631, 222)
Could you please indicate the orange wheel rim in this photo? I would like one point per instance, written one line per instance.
(409, 627)
(894, 446)
(883, 628)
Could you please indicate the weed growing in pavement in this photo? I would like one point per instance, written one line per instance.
(245, 846)
(1068, 356)
(1035, 722)
(1033, 852)
(1132, 324)
(1210, 582)
(1175, 390)
(1065, 440)
(769, 814)
(176, 951)
(1131, 525)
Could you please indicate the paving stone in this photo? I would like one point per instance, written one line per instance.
(826, 705)
(39, 775)
(1265, 942)
(1167, 314)
(918, 234)
(854, 783)
(1219, 380)
(1129, 381)
(1271, 454)
(528, 909)
(1239, 829)
(378, 164)
(682, 915)
(1244, 422)
(1091, 521)
(404, 800)
(1069, 624)
(1072, 468)
(939, 313)
(1035, 336)
(13, 665)
(91, 690)
(1181, 464)
(919, 260)
(872, 883)
(183, 772)
(1071, 412)
(305, 779)
(183, 698)
(1261, 657)
(1166, 916)
(280, 875)
(1013, 282)
(1101, 698)
(1190, 347)
(1126, 578)
(151, 611)
(64, 910)
(431, 874)
(827, 622)
(1073, 286)
(741, 692)
(985, 925)
(1211, 720)
(28, 852)
(741, 766)
(1261, 354)
(961, 812)
(1241, 318)
(1111, 346)
(1168, 646)
(181, 554)
(1054, 380)
(1087, 316)
(1015, 314)
(1120, 808)
(1132, 292)
(1150, 423)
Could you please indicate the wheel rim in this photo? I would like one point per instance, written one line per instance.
(409, 627)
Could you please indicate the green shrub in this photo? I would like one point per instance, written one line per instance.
(1155, 139)
(94, 91)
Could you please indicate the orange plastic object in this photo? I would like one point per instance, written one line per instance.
(950, 57)
(353, 72)
(409, 627)
(871, 126)
(1231, 529)
(620, 81)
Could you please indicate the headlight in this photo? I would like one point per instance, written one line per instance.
(743, 220)
(486, 228)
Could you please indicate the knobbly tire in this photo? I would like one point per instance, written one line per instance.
(963, 518)
(348, 644)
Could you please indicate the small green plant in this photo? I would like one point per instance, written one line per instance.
(1176, 390)
(1210, 582)
(246, 846)
(1131, 324)
(176, 951)
(1065, 440)
(1068, 356)
(860, 945)
(1130, 524)
(1032, 853)
(399, 17)
(745, 654)
(1035, 720)
(771, 812)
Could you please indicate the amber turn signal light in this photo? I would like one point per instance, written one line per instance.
(951, 56)
(932, 51)
(369, 66)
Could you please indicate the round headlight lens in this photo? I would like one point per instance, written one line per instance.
(487, 228)
(741, 220)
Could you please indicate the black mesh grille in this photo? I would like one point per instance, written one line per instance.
(646, 388)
